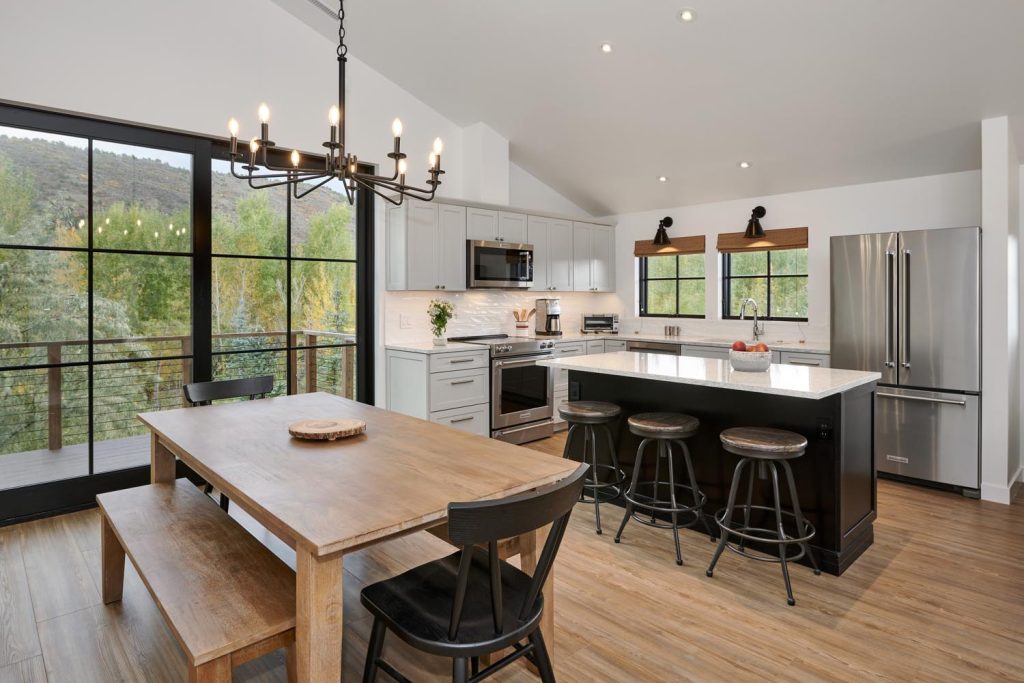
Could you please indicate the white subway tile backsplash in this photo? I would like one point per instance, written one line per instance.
(482, 312)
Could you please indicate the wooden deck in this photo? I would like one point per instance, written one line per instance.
(37, 467)
(938, 597)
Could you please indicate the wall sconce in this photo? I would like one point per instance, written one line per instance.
(661, 237)
(754, 229)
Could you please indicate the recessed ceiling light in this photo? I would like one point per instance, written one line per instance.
(606, 47)
(687, 15)
(662, 179)
(744, 164)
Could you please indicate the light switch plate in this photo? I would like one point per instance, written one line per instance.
(404, 322)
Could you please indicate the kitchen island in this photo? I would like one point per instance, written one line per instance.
(833, 408)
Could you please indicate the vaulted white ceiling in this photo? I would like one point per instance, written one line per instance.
(813, 93)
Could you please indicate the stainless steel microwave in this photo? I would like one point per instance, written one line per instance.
(498, 265)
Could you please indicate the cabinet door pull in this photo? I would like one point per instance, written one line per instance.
(461, 381)
(459, 361)
(811, 363)
(462, 419)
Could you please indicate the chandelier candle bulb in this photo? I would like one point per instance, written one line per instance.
(295, 158)
(233, 129)
(438, 147)
(396, 128)
(254, 147)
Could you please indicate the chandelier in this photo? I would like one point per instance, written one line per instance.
(339, 163)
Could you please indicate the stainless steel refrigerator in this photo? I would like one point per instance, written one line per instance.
(908, 305)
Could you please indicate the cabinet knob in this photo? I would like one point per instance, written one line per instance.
(443, 286)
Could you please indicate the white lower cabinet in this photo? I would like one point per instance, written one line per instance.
(814, 360)
(596, 346)
(474, 419)
(451, 388)
(612, 345)
(560, 398)
(695, 351)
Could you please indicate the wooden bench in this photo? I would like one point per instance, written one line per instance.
(226, 598)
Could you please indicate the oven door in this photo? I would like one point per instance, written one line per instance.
(499, 265)
(521, 391)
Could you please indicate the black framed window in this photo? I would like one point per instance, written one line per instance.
(776, 280)
(672, 286)
(118, 243)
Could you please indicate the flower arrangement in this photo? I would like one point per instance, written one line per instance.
(440, 312)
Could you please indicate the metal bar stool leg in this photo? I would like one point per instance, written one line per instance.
(693, 486)
(723, 524)
(801, 524)
(568, 440)
(619, 472)
(657, 478)
(595, 476)
(746, 508)
(633, 487)
(782, 534)
(666, 448)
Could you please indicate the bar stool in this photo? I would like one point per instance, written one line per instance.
(664, 429)
(591, 414)
(764, 446)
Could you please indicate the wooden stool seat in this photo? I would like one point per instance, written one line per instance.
(226, 598)
(766, 443)
(663, 425)
(588, 412)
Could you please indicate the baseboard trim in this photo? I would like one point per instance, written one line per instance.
(1017, 484)
(995, 493)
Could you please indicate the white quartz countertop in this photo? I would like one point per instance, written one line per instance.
(692, 340)
(780, 380)
(427, 345)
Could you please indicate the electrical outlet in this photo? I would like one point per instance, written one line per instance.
(824, 428)
(405, 322)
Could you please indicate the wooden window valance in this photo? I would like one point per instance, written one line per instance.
(773, 240)
(677, 245)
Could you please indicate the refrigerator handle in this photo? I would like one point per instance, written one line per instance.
(890, 263)
(905, 311)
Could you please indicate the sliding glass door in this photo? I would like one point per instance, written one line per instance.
(131, 263)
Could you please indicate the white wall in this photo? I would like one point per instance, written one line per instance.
(526, 191)
(943, 201)
(170, 65)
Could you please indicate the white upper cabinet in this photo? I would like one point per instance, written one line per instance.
(512, 227)
(451, 258)
(481, 224)
(426, 247)
(593, 258)
(552, 253)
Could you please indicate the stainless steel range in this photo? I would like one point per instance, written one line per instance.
(522, 392)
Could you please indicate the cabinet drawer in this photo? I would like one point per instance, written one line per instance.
(458, 389)
(474, 419)
(817, 360)
(462, 360)
(611, 345)
(569, 350)
(596, 346)
(705, 351)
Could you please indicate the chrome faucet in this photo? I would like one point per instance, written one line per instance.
(758, 328)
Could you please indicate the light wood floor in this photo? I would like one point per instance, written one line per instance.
(940, 596)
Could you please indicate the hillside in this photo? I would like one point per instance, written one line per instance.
(59, 173)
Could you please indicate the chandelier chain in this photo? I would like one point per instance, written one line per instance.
(342, 47)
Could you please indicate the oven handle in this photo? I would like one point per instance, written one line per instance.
(520, 361)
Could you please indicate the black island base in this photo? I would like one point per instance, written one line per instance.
(835, 478)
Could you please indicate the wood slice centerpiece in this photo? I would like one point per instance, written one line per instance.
(326, 428)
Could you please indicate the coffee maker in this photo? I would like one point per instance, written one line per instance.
(549, 314)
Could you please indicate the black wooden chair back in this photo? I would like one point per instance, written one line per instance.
(490, 521)
(203, 393)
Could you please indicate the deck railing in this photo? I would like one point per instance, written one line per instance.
(328, 368)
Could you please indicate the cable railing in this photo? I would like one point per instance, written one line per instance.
(48, 408)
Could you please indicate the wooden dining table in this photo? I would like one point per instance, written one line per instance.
(329, 498)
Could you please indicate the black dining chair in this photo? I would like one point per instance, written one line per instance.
(204, 393)
(472, 603)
